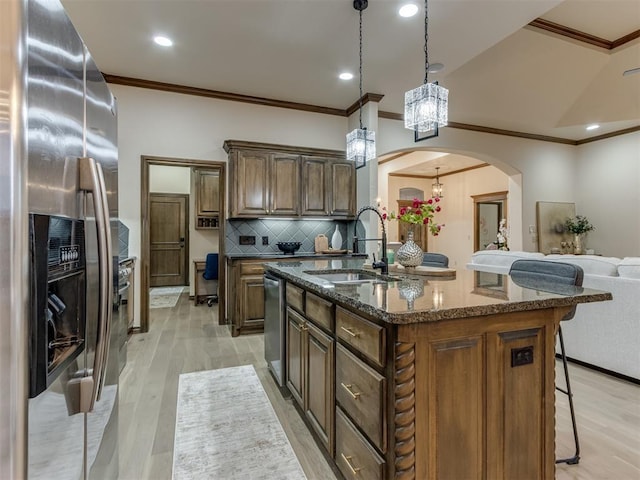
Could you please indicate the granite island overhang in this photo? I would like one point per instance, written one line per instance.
(403, 298)
(418, 377)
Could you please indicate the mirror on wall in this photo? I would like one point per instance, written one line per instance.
(489, 209)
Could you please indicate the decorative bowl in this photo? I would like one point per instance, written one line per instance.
(289, 247)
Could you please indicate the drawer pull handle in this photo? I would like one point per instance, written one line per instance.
(350, 332)
(353, 469)
(348, 387)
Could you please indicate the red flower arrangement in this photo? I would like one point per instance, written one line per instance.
(421, 212)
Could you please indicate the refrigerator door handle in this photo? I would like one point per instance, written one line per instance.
(92, 180)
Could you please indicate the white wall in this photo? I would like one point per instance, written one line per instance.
(165, 179)
(608, 194)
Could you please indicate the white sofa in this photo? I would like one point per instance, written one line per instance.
(602, 334)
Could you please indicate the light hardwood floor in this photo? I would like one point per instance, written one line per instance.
(188, 339)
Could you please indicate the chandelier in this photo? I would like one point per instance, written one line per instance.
(437, 188)
(361, 143)
(426, 107)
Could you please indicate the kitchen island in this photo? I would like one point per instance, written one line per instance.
(418, 377)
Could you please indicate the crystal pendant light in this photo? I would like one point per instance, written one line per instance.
(361, 143)
(437, 188)
(426, 106)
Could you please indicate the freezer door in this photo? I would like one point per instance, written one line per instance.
(54, 110)
(54, 143)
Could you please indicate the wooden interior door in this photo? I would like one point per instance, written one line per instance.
(168, 234)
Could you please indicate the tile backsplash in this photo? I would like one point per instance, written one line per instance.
(285, 230)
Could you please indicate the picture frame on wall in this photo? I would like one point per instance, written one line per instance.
(550, 219)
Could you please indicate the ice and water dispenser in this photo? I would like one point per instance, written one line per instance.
(58, 285)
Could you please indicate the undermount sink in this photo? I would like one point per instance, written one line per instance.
(351, 277)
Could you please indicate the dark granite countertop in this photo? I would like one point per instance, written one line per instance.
(413, 299)
(298, 255)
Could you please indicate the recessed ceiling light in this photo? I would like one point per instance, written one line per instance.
(345, 76)
(435, 67)
(408, 10)
(163, 41)
(593, 127)
(631, 71)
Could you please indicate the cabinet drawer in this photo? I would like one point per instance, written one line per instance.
(360, 391)
(365, 336)
(251, 269)
(320, 311)
(354, 456)
(295, 297)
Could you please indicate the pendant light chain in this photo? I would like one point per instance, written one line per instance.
(360, 111)
(426, 40)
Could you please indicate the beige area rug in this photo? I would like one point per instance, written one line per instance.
(164, 297)
(227, 429)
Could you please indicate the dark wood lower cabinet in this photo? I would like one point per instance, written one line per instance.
(252, 303)
(310, 374)
(319, 377)
(295, 355)
(354, 456)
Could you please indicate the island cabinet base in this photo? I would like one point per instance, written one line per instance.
(465, 398)
(475, 398)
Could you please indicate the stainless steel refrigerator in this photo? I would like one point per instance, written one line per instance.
(58, 268)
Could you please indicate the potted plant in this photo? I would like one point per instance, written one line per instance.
(421, 212)
(578, 226)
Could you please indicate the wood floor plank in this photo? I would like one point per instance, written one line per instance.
(187, 339)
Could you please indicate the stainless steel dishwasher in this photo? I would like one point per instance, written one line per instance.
(274, 327)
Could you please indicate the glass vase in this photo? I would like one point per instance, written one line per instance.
(409, 254)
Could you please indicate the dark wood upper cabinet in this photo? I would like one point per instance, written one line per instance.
(284, 192)
(285, 181)
(208, 192)
(250, 187)
(343, 193)
(315, 198)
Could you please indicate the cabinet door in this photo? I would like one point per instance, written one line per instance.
(284, 187)
(251, 181)
(251, 303)
(295, 355)
(319, 392)
(343, 189)
(208, 192)
(315, 200)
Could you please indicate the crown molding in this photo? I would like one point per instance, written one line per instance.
(234, 97)
(583, 37)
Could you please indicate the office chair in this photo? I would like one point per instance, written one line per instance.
(211, 273)
(435, 260)
(551, 276)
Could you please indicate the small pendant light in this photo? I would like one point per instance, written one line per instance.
(437, 188)
(426, 106)
(361, 143)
